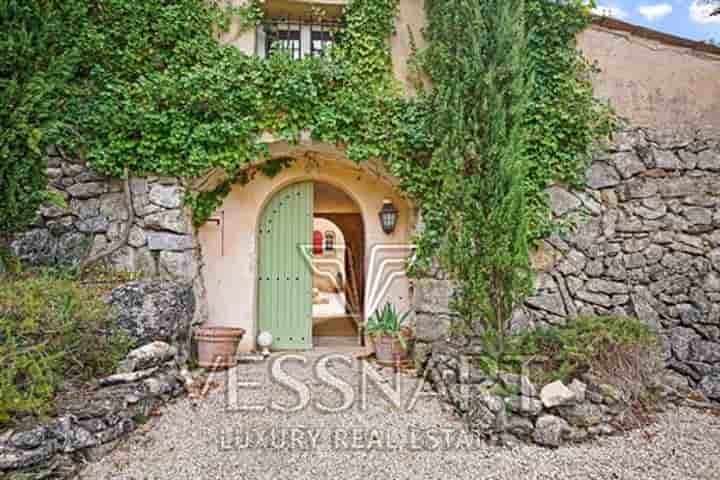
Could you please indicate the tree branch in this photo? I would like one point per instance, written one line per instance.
(121, 242)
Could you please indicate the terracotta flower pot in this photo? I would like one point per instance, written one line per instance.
(389, 350)
(217, 346)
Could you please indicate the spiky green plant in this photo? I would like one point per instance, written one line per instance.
(387, 321)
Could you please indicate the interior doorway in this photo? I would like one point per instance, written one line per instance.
(338, 268)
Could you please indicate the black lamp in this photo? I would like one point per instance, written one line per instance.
(388, 216)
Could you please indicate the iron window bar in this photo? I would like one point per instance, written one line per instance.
(300, 37)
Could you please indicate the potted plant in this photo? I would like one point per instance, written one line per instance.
(390, 334)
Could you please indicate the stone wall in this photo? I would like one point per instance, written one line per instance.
(88, 422)
(161, 240)
(648, 245)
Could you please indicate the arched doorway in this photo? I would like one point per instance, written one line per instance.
(229, 276)
(310, 267)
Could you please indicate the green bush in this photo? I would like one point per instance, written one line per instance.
(52, 331)
(613, 347)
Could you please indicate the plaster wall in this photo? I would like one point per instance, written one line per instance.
(230, 257)
(408, 27)
(654, 84)
(243, 39)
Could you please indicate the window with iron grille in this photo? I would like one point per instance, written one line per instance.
(321, 39)
(300, 38)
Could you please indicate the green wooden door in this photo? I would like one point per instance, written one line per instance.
(284, 273)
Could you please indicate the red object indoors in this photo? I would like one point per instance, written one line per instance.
(317, 242)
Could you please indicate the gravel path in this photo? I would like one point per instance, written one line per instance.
(208, 442)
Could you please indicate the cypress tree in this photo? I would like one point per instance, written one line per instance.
(476, 65)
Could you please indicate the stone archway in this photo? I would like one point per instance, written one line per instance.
(229, 248)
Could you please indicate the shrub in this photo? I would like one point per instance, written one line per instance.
(620, 351)
(52, 330)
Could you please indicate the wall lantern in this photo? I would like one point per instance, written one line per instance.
(388, 216)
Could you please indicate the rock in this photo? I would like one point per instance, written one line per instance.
(710, 387)
(551, 303)
(601, 175)
(29, 439)
(594, 298)
(667, 160)
(544, 282)
(579, 389)
(50, 210)
(556, 393)
(151, 355)
(36, 247)
(639, 189)
(628, 164)
(680, 339)
(643, 304)
(113, 206)
(635, 260)
(129, 377)
(654, 254)
(149, 311)
(97, 224)
(708, 160)
(89, 176)
(562, 201)
(519, 426)
(581, 414)
(480, 418)
(421, 352)
(698, 215)
(605, 286)
(175, 221)
(671, 137)
(610, 394)
(544, 257)
(678, 187)
(138, 187)
(167, 196)
(433, 296)
(178, 265)
(711, 283)
(549, 431)
(87, 190)
(594, 268)
(160, 384)
(169, 241)
(430, 327)
(689, 160)
(20, 459)
(704, 351)
(60, 226)
(520, 383)
(523, 405)
(137, 237)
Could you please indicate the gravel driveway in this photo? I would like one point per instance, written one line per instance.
(208, 442)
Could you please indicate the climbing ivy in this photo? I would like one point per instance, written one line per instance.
(145, 87)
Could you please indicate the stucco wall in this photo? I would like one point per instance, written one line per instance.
(654, 84)
(230, 274)
(411, 18)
